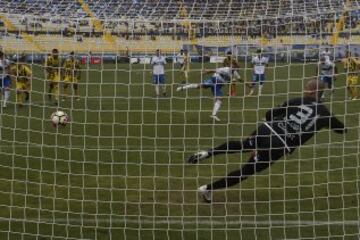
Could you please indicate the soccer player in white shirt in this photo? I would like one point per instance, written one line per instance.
(327, 73)
(326, 54)
(158, 61)
(219, 78)
(5, 79)
(259, 63)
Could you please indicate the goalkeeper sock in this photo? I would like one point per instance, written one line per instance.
(216, 108)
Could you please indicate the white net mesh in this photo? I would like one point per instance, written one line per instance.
(118, 170)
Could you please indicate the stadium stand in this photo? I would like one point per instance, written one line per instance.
(114, 25)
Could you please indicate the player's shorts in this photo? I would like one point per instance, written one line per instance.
(268, 145)
(5, 82)
(216, 88)
(327, 79)
(352, 80)
(258, 78)
(54, 78)
(21, 86)
(159, 79)
(70, 79)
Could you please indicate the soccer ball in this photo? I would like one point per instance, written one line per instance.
(59, 118)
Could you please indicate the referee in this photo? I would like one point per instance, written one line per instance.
(286, 127)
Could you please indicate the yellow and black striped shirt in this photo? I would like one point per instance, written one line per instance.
(22, 72)
(72, 68)
(352, 65)
(231, 62)
(52, 65)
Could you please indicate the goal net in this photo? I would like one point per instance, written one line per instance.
(119, 170)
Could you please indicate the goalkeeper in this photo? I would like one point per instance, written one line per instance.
(286, 128)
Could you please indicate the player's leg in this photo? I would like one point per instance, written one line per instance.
(65, 88)
(186, 74)
(185, 70)
(217, 92)
(207, 83)
(6, 96)
(56, 91)
(228, 147)
(27, 95)
(352, 87)
(6, 90)
(156, 84)
(261, 78)
(55, 87)
(76, 90)
(162, 84)
(255, 79)
(19, 94)
(51, 87)
(257, 163)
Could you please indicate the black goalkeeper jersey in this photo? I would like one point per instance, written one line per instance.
(298, 119)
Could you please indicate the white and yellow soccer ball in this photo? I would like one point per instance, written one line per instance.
(59, 118)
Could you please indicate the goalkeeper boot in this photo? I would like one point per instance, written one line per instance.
(205, 193)
(196, 157)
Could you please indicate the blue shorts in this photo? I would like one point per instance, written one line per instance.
(214, 85)
(327, 79)
(159, 79)
(258, 78)
(5, 82)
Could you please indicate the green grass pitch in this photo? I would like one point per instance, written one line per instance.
(117, 171)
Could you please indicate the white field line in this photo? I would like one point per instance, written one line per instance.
(194, 221)
(161, 147)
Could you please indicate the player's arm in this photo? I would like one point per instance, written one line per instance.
(336, 125)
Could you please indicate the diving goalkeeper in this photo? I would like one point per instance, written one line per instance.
(286, 127)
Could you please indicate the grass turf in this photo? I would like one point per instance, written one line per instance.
(117, 171)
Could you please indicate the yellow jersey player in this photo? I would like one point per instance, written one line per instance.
(352, 67)
(22, 74)
(52, 68)
(72, 74)
(230, 61)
